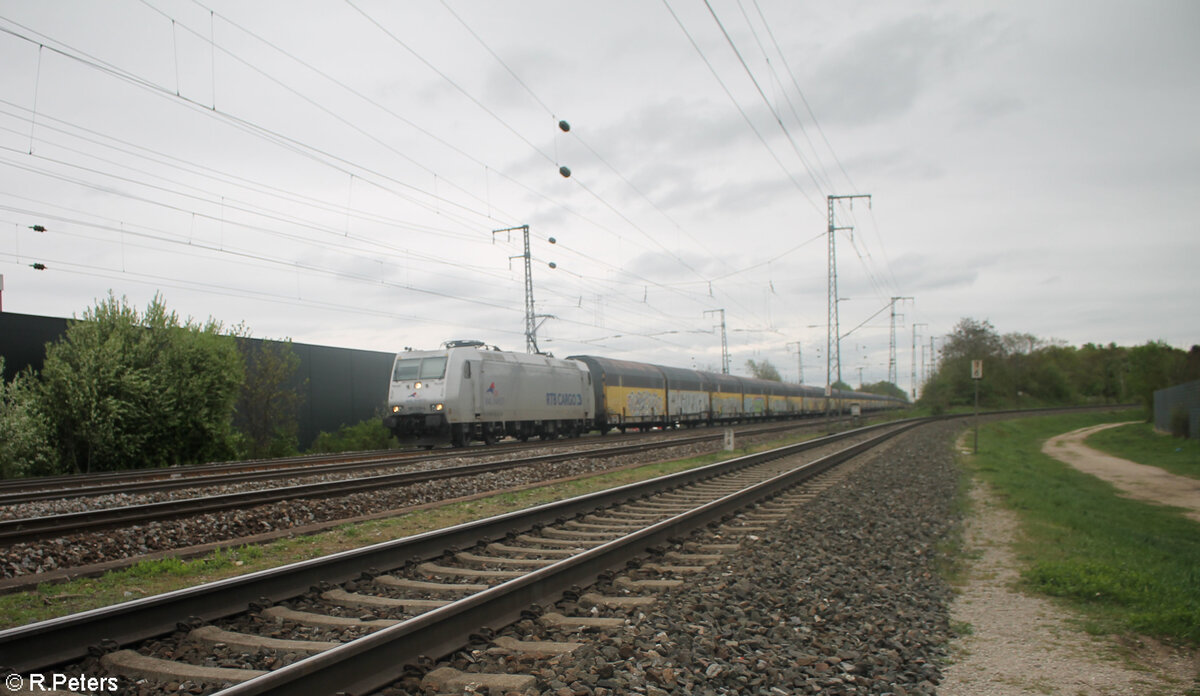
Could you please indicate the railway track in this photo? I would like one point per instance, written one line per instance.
(31, 529)
(19, 491)
(425, 596)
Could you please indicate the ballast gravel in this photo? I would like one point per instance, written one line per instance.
(842, 598)
(109, 545)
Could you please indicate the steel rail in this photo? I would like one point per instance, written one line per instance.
(29, 529)
(56, 641)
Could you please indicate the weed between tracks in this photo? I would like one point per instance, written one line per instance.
(1129, 566)
(158, 576)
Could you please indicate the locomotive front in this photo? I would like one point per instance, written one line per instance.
(417, 404)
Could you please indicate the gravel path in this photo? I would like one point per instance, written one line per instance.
(1140, 481)
(842, 598)
(1021, 644)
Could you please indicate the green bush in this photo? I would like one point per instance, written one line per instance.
(127, 390)
(25, 448)
(265, 414)
(367, 435)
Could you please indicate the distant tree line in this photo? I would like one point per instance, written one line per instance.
(766, 370)
(1022, 370)
(126, 389)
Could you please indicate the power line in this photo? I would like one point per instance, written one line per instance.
(545, 155)
(575, 131)
(452, 83)
(316, 154)
(148, 233)
(796, 84)
(738, 106)
(762, 94)
(821, 173)
(248, 209)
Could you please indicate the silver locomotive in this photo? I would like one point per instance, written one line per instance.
(468, 391)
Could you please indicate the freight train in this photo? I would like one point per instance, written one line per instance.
(469, 391)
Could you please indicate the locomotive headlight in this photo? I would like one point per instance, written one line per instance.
(395, 409)
(417, 385)
(437, 407)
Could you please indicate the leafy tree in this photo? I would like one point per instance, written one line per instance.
(136, 390)
(25, 448)
(1153, 366)
(266, 412)
(763, 370)
(952, 385)
(1023, 370)
(884, 388)
(1191, 366)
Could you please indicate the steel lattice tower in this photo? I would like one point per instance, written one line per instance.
(893, 374)
(833, 341)
(531, 318)
(724, 342)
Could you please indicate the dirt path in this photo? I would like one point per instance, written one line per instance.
(1139, 481)
(1019, 644)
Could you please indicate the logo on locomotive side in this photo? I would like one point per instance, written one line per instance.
(492, 397)
(563, 399)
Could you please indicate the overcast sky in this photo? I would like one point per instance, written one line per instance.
(333, 171)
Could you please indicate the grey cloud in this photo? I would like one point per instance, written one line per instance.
(882, 72)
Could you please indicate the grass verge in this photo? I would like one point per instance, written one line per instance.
(1139, 442)
(1129, 566)
(155, 577)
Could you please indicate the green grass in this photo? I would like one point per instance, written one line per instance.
(154, 577)
(1129, 566)
(1140, 443)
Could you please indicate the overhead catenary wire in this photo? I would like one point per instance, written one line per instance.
(575, 132)
(771, 151)
(583, 279)
(316, 154)
(799, 91)
(158, 157)
(819, 171)
(591, 192)
(758, 88)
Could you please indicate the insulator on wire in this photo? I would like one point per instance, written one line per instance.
(564, 171)
(38, 266)
(566, 127)
(37, 228)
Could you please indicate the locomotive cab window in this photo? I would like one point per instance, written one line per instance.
(433, 368)
(419, 368)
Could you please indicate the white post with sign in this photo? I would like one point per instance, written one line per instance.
(976, 375)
